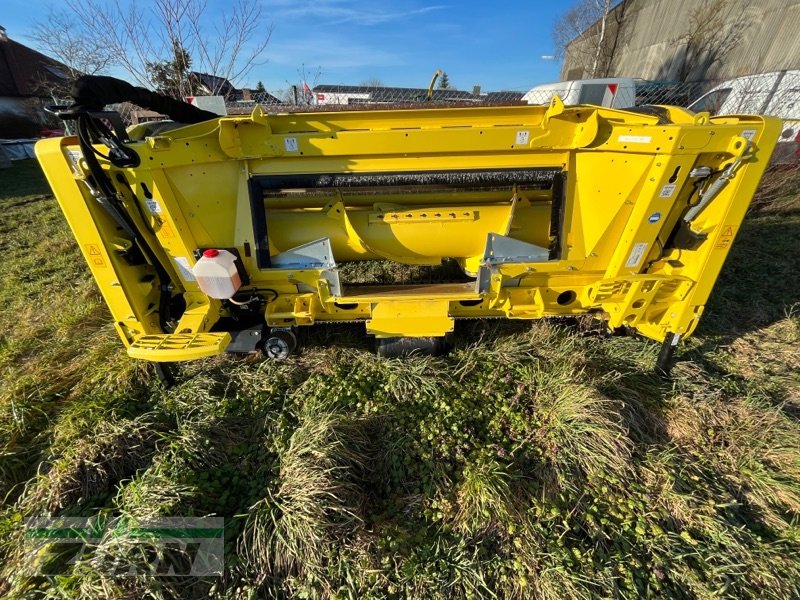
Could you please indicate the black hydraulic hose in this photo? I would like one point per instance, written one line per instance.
(107, 197)
(93, 92)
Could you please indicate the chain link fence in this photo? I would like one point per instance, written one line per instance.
(756, 94)
(772, 93)
(775, 94)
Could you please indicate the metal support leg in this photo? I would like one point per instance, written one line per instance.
(665, 357)
(165, 374)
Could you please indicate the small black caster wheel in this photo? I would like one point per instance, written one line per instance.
(280, 344)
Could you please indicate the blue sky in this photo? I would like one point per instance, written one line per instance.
(498, 45)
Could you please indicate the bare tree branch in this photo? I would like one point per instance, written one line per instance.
(580, 37)
(135, 37)
(62, 37)
(711, 37)
(602, 36)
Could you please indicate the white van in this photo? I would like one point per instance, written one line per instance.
(614, 92)
(776, 94)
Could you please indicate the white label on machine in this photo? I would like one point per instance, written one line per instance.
(153, 206)
(667, 190)
(523, 137)
(635, 139)
(636, 255)
(290, 143)
(749, 134)
(74, 157)
(183, 268)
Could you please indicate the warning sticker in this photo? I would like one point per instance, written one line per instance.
(749, 134)
(290, 143)
(523, 136)
(165, 230)
(74, 157)
(183, 268)
(725, 238)
(153, 206)
(95, 256)
(667, 190)
(636, 255)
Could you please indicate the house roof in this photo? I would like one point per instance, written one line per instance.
(216, 85)
(502, 96)
(264, 98)
(26, 72)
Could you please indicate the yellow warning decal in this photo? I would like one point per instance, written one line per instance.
(725, 239)
(165, 230)
(95, 256)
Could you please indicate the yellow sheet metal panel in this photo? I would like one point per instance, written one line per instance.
(549, 210)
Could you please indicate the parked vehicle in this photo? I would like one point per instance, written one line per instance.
(670, 93)
(614, 92)
(776, 94)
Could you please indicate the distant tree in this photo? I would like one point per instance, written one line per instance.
(141, 38)
(601, 37)
(300, 92)
(586, 35)
(444, 82)
(260, 87)
(372, 82)
(63, 38)
(173, 77)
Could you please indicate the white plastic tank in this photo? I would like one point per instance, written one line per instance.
(216, 274)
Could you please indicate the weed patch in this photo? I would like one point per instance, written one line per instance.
(536, 460)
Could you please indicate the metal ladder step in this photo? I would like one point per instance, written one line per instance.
(172, 347)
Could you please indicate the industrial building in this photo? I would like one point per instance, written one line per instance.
(689, 40)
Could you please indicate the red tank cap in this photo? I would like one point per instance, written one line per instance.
(211, 253)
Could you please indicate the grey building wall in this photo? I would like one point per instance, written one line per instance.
(647, 43)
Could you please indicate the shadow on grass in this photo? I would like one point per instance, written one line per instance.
(759, 280)
(24, 178)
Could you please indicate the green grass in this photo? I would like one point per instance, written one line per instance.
(534, 461)
(25, 178)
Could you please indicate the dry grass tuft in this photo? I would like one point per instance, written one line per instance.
(315, 501)
(94, 465)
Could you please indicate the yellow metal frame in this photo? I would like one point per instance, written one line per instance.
(628, 180)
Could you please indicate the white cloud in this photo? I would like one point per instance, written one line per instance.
(341, 11)
(382, 17)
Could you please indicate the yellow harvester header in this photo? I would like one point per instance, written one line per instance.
(548, 210)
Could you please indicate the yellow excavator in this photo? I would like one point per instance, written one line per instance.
(208, 234)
